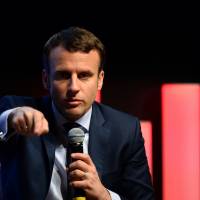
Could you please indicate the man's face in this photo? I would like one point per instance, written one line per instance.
(73, 81)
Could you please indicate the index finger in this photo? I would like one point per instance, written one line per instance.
(82, 156)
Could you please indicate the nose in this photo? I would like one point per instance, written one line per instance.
(73, 86)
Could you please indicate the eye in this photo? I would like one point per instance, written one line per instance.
(61, 75)
(84, 75)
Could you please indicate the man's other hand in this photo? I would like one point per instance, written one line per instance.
(28, 121)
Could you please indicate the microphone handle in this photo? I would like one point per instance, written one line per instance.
(79, 198)
(78, 194)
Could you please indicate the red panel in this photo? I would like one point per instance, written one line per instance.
(181, 141)
(146, 128)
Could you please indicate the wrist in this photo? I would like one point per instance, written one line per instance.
(105, 195)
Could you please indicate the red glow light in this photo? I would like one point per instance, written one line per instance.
(181, 141)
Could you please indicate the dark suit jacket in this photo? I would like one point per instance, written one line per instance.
(116, 147)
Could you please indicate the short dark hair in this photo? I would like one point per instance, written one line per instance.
(74, 39)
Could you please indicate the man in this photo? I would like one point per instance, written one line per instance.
(33, 153)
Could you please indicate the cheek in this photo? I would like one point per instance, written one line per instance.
(58, 89)
(91, 90)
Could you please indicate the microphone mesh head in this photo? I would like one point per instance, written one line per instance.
(76, 135)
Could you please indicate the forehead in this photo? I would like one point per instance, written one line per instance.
(61, 55)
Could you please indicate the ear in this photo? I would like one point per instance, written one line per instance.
(100, 80)
(45, 79)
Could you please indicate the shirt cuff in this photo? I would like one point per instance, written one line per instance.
(114, 196)
(4, 125)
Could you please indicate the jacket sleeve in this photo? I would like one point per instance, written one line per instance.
(4, 133)
(7, 104)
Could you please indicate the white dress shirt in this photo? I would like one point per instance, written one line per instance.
(59, 175)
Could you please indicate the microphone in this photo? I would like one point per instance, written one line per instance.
(75, 141)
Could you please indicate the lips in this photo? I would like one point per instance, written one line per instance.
(71, 103)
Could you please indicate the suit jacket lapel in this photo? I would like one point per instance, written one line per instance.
(98, 139)
(49, 140)
(50, 145)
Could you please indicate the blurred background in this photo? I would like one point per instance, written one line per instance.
(147, 45)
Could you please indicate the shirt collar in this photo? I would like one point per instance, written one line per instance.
(83, 121)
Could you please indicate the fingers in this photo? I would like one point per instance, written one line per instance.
(77, 174)
(40, 124)
(83, 174)
(79, 164)
(82, 170)
(83, 184)
(18, 123)
(28, 121)
(84, 157)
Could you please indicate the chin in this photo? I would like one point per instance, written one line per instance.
(73, 115)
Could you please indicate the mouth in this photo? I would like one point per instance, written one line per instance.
(72, 103)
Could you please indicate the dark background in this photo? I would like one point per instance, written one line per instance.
(147, 45)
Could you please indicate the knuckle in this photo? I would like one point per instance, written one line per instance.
(14, 121)
(88, 185)
(37, 132)
(19, 120)
(40, 114)
(46, 130)
(79, 162)
(28, 113)
(75, 172)
(46, 126)
(86, 156)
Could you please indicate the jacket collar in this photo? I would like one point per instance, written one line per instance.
(98, 139)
